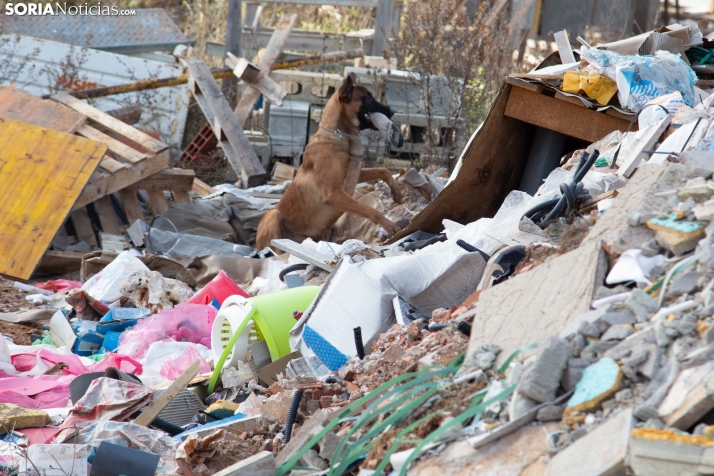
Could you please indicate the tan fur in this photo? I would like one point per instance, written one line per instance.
(323, 186)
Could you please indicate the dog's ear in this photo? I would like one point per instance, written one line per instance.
(347, 89)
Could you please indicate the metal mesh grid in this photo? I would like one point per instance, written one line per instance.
(150, 29)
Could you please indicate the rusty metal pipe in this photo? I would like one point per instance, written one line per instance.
(218, 73)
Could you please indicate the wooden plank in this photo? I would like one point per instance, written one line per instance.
(224, 123)
(132, 207)
(102, 185)
(159, 205)
(158, 405)
(304, 253)
(26, 107)
(565, 51)
(519, 83)
(270, 57)
(570, 99)
(59, 262)
(110, 165)
(181, 197)
(112, 123)
(382, 27)
(201, 188)
(83, 226)
(42, 173)
(107, 216)
(116, 147)
(561, 116)
(128, 114)
(536, 76)
(253, 75)
(170, 179)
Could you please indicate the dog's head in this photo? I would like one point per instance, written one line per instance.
(358, 100)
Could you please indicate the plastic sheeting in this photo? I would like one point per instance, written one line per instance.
(107, 399)
(187, 322)
(106, 284)
(131, 436)
(642, 78)
(361, 294)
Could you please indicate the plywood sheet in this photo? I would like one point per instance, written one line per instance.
(560, 116)
(26, 107)
(42, 172)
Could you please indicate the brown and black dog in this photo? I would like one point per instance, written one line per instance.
(331, 168)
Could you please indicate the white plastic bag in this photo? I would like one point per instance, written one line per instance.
(642, 78)
(106, 284)
(652, 114)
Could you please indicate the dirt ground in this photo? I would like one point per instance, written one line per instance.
(20, 333)
(13, 300)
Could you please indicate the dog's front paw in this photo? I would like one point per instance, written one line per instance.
(390, 227)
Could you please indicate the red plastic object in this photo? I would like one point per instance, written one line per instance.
(58, 285)
(220, 288)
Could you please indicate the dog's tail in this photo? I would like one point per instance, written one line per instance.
(270, 228)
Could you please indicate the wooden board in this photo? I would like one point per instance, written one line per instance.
(42, 173)
(201, 188)
(227, 129)
(104, 184)
(560, 116)
(267, 60)
(135, 155)
(59, 262)
(26, 107)
(153, 410)
(174, 180)
(112, 123)
(83, 226)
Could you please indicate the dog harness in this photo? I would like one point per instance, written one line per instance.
(339, 133)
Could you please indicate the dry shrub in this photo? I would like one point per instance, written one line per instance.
(440, 44)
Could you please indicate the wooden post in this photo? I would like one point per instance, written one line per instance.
(270, 57)
(382, 26)
(234, 33)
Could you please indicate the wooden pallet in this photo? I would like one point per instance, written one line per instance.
(133, 155)
(179, 182)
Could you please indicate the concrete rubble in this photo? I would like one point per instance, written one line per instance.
(546, 309)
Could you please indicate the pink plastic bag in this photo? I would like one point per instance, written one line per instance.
(168, 323)
(27, 361)
(173, 368)
(58, 285)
